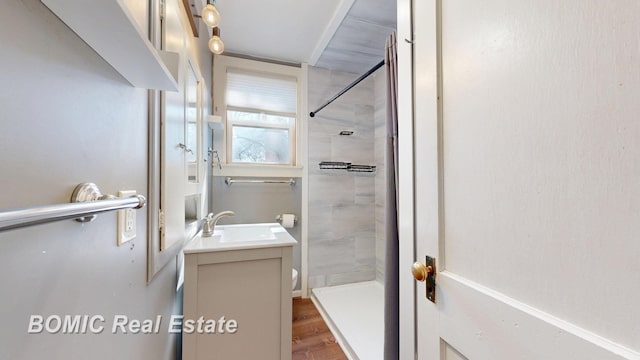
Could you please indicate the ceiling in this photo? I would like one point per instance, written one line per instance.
(345, 35)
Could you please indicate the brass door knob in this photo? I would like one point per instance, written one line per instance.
(420, 271)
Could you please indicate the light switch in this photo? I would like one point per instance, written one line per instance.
(126, 220)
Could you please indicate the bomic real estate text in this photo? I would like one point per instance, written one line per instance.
(122, 324)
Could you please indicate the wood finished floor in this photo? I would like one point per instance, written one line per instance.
(311, 338)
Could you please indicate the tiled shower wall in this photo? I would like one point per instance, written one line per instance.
(342, 205)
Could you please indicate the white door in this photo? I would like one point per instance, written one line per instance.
(527, 178)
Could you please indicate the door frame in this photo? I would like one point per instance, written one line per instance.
(407, 286)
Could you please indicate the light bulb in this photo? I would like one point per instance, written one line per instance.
(216, 45)
(210, 15)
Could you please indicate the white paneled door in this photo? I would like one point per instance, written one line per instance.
(527, 178)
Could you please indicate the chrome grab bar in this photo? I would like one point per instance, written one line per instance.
(230, 181)
(86, 202)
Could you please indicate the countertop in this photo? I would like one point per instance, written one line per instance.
(219, 242)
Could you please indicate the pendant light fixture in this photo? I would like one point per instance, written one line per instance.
(210, 15)
(215, 43)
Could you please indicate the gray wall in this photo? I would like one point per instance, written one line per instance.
(342, 231)
(259, 203)
(67, 117)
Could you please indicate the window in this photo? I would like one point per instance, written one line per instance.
(261, 111)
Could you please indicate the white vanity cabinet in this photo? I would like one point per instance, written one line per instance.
(245, 281)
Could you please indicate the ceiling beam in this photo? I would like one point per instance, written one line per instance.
(341, 12)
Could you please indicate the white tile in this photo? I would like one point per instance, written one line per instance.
(354, 218)
(365, 245)
(353, 150)
(364, 274)
(330, 188)
(365, 192)
(317, 281)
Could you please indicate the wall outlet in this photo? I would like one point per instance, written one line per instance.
(126, 220)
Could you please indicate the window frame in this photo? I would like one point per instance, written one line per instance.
(258, 125)
(221, 64)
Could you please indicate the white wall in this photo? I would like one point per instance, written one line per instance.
(67, 117)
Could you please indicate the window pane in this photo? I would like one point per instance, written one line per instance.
(261, 91)
(260, 145)
(267, 119)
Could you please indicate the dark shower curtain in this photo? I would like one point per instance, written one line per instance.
(391, 287)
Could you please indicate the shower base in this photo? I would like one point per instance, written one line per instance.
(355, 316)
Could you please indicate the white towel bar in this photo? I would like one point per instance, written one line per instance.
(230, 181)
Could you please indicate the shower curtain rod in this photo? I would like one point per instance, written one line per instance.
(376, 67)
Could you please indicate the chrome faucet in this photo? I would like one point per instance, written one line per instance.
(211, 220)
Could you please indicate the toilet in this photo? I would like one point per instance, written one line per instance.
(294, 278)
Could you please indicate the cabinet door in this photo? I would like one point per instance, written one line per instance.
(232, 290)
(252, 287)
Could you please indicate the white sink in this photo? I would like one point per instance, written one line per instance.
(241, 236)
(247, 232)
